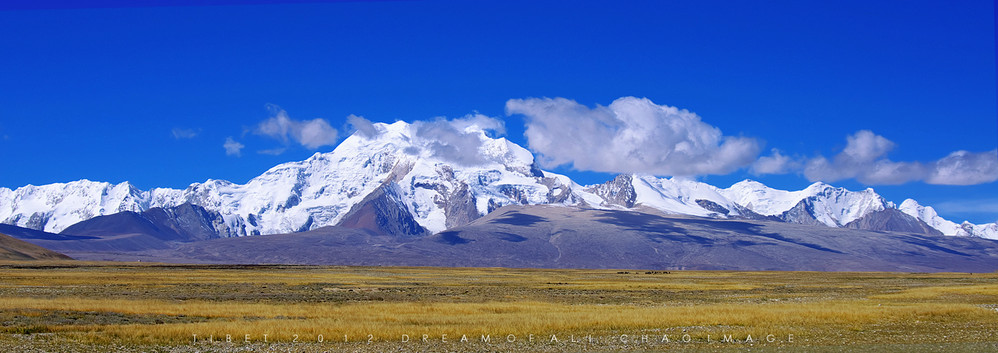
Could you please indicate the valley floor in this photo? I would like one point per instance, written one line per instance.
(76, 306)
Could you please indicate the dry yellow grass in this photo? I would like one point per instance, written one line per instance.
(151, 304)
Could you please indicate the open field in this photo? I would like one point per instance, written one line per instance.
(72, 306)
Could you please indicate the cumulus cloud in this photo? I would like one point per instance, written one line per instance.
(181, 133)
(232, 148)
(309, 133)
(775, 163)
(631, 135)
(865, 146)
(456, 140)
(964, 168)
(865, 159)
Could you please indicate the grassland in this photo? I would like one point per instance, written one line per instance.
(71, 306)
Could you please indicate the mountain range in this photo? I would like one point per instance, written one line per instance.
(399, 180)
(446, 193)
(543, 236)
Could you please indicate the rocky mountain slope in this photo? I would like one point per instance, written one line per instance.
(542, 236)
(19, 250)
(182, 223)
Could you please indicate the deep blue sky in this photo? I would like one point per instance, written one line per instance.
(95, 92)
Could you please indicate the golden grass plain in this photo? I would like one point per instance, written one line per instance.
(149, 307)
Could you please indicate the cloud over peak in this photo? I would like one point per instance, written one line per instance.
(631, 135)
(775, 163)
(634, 135)
(457, 140)
(361, 125)
(312, 134)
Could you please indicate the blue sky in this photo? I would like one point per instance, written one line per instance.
(150, 94)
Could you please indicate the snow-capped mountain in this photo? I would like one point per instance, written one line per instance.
(428, 180)
(818, 204)
(826, 204)
(54, 207)
(420, 178)
(427, 183)
(929, 216)
(668, 195)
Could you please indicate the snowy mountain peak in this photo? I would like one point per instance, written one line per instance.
(442, 171)
(909, 203)
(827, 204)
(749, 183)
(54, 207)
(762, 199)
(928, 215)
(682, 196)
(817, 187)
(669, 195)
(838, 206)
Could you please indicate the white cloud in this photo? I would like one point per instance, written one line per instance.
(478, 121)
(309, 133)
(232, 148)
(964, 168)
(630, 135)
(776, 163)
(181, 133)
(273, 151)
(865, 146)
(456, 140)
(865, 159)
(362, 126)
